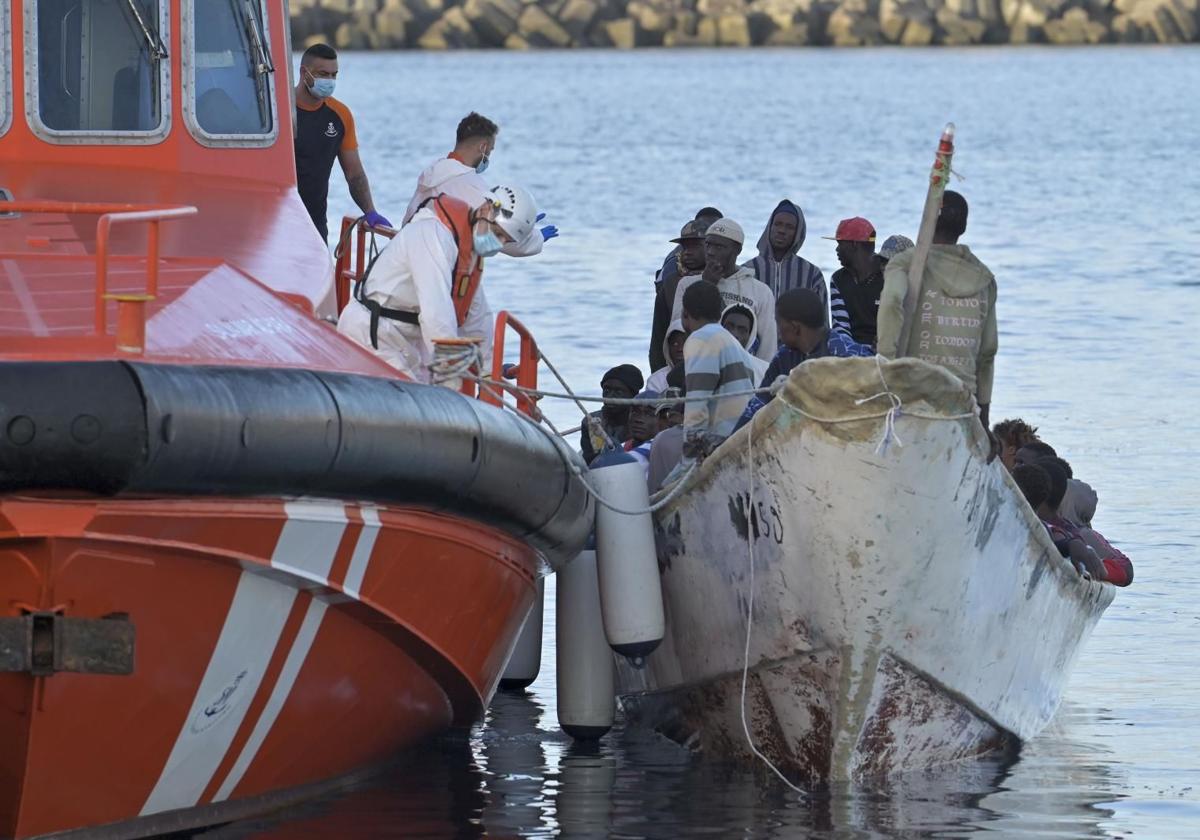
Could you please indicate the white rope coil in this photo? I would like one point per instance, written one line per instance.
(454, 361)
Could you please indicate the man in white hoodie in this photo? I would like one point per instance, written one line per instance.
(459, 175)
(737, 285)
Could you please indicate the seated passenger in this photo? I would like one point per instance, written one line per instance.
(643, 426)
(803, 335)
(1076, 509)
(713, 364)
(673, 353)
(670, 410)
(1032, 452)
(740, 322)
(666, 450)
(1037, 486)
(1077, 491)
(621, 382)
(1118, 566)
(1013, 434)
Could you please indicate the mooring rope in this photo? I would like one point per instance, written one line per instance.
(455, 361)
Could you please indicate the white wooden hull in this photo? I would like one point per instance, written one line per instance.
(909, 608)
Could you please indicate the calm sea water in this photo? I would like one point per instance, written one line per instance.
(1085, 201)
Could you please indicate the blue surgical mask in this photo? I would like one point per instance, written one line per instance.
(487, 244)
(322, 88)
(482, 166)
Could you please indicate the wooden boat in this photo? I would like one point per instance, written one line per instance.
(238, 556)
(909, 609)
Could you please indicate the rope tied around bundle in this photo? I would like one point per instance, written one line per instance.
(455, 359)
(463, 360)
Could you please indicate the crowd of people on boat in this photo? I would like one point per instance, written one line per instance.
(1063, 503)
(730, 329)
(725, 331)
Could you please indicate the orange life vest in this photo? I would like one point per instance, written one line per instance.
(468, 268)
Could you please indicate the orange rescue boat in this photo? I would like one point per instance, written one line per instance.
(239, 557)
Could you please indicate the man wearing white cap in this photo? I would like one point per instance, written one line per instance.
(737, 285)
(425, 285)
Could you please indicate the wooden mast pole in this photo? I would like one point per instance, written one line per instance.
(938, 177)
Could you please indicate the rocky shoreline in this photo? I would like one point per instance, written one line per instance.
(625, 24)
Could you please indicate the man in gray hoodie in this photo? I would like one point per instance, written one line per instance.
(778, 264)
(955, 314)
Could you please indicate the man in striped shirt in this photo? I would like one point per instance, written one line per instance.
(804, 335)
(714, 364)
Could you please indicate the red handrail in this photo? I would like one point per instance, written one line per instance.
(347, 272)
(526, 369)
(129, 325)
(349, 266)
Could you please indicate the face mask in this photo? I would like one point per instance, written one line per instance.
(482, 166)
(487, 243)
(321, 88)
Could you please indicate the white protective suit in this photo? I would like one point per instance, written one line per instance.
(460, 181)
(414, 273)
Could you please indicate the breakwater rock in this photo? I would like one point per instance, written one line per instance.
(525, 24)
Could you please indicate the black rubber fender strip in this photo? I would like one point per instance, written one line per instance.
(111, 427)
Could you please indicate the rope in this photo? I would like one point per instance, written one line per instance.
(536, 392)
(893, 413)
(589, 421)
(750, 616)
(454, 361)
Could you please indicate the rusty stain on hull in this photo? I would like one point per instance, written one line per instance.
(909, 608)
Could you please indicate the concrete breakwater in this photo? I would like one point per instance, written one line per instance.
(525, 24)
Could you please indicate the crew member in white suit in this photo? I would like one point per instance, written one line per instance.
(425, 285)
(460, 175)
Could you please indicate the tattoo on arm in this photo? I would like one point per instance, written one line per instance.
(360, 191)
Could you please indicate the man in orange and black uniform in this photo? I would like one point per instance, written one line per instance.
(325, 131)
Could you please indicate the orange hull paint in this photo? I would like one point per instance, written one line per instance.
(257, 668)
(278, 642)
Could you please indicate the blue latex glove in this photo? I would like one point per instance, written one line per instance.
(374, 219)
(549, 232)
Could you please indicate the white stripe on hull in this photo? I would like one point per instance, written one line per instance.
(256, 617)
(308, 544)
(306, 547)
(362, 552)
(279, 696)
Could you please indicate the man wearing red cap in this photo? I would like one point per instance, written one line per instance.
(954, 320)
(854, 288)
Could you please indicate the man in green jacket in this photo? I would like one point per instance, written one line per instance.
(955, 316)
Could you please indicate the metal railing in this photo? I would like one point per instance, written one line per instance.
(131, 308)
(352, 258)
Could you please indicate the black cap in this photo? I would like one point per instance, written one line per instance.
(627, 375)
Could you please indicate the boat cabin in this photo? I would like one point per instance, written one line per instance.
(151, 107)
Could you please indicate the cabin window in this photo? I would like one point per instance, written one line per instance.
(5, 70)
(101, 69)
(229, 75)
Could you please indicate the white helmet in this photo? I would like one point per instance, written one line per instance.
(516, 210)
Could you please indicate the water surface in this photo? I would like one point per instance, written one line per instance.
(1085, 201)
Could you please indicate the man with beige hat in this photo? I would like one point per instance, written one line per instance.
(722, 243)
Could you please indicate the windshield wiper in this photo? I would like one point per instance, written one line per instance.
(264, 64)
(154, 41)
